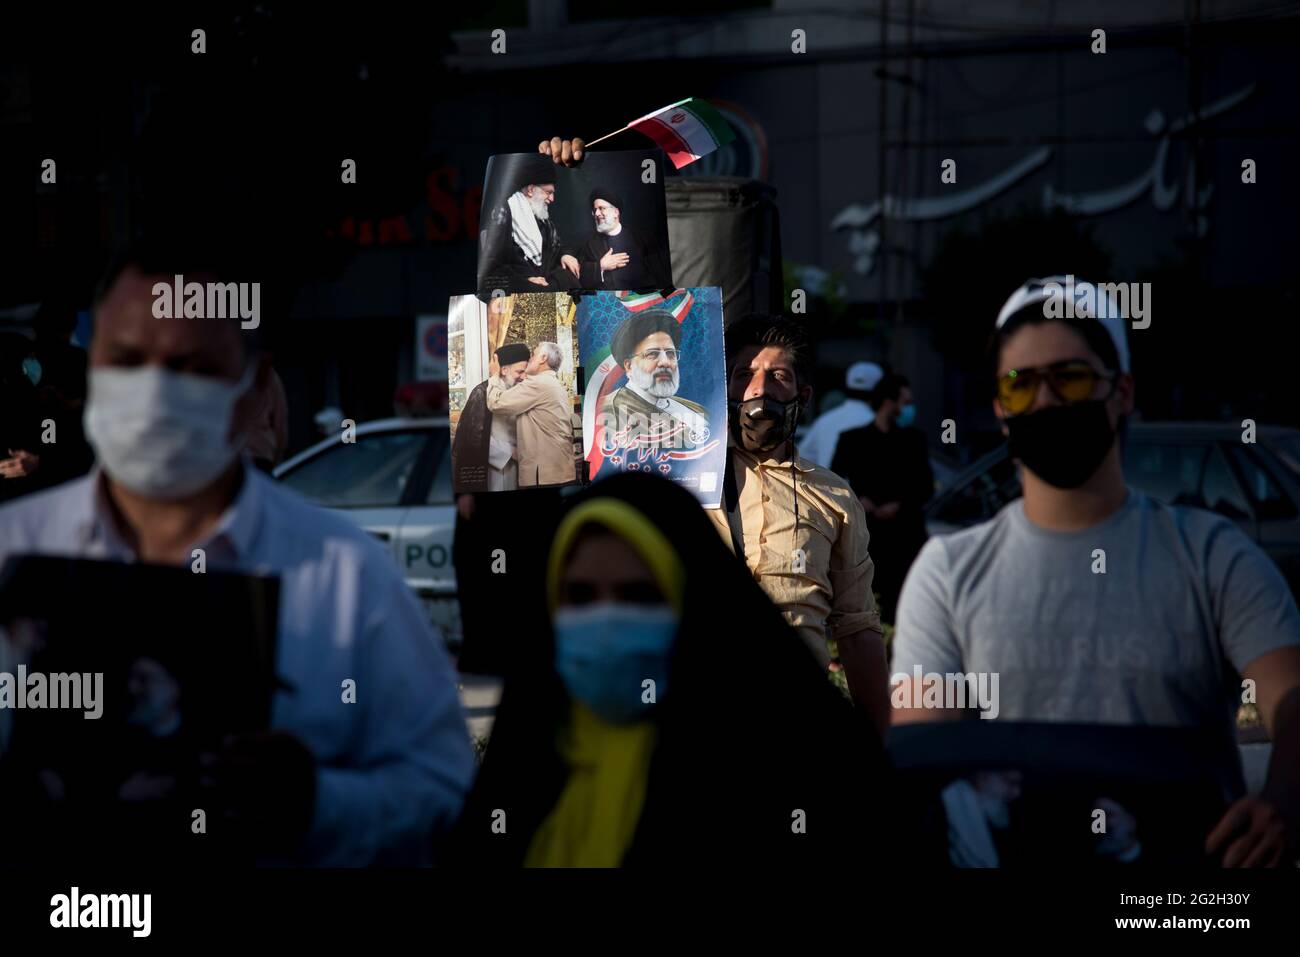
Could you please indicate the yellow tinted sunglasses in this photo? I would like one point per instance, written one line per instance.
(1071, 380)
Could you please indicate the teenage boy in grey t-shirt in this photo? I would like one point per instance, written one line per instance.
(1185, 608)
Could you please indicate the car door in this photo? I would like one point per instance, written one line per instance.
(365, 480)
(424, 543)
(1275, 496)
(976, 495)
(1191, 471)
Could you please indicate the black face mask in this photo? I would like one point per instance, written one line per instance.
(1063, 444)
(764, 423)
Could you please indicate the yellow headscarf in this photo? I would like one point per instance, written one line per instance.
(631, 526)
(595, 818)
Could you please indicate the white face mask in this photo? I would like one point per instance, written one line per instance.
(159, 433)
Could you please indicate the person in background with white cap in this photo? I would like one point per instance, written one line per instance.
(855, 411)
(1184, 607)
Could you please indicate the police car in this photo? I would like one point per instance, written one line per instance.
(393, 478)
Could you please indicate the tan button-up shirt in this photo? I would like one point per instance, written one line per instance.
(819, 574)
(543, 427)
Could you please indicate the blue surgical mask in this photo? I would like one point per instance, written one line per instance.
(605, 653)
(32, 369)
(907, 416)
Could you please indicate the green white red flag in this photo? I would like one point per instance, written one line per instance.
(686, 130)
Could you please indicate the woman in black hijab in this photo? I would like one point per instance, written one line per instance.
(730, 747)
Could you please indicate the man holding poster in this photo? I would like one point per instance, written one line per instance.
(798, 527)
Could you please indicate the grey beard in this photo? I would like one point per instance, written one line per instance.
(605, 227)
(540, 209)
(645, 381)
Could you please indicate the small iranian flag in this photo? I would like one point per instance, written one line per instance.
(686, 130)
(636, 302)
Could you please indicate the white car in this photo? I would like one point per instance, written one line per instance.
(395, 482)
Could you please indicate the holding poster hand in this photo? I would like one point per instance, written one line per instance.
(562, 151)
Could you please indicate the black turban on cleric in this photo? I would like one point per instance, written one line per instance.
(532, 169)
(514, 352)
(643, 324)
(608, 195)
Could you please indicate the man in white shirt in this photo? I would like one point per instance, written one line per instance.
(823, 436)
(339, 782)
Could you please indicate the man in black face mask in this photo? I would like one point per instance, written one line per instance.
(799, 528)
(1094, 603)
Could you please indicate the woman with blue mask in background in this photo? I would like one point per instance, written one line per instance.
(665, 713)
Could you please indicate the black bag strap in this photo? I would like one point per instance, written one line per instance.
(731, 502)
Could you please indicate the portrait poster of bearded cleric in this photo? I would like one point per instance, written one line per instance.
(655, 398)
(548, 228)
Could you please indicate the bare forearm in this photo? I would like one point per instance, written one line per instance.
(1282, 787)
(863, 656)
(906, 707)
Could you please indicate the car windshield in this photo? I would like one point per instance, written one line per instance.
(369, 473)
(1184, 471)
(1177, 471)
(982, 496)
